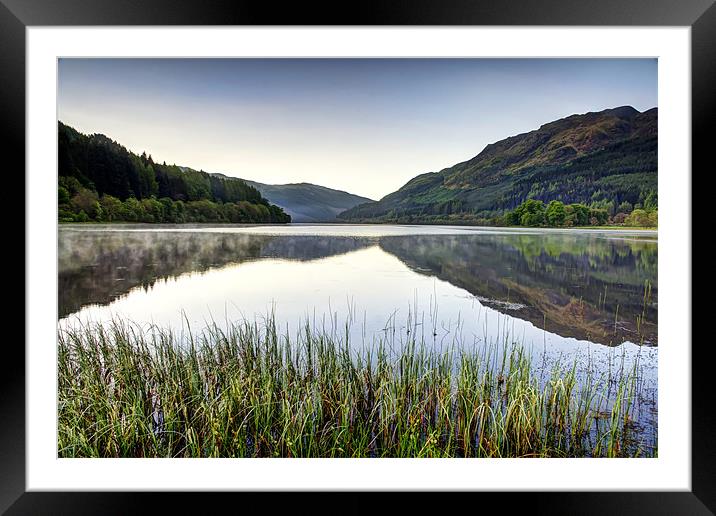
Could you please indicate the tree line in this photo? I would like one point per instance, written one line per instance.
(535, 213)
(100, 180)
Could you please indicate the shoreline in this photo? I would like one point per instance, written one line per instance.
(616, 229)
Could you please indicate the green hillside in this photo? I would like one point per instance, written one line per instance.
(100, 180)
(604, 159)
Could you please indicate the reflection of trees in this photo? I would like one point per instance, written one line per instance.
(561, 279)
(571, 283)
(97, 267)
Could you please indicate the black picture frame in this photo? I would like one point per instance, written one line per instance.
(700, 15)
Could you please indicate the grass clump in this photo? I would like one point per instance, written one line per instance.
(249, 392)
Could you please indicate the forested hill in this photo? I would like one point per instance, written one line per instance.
(101, 180)
(602, 159)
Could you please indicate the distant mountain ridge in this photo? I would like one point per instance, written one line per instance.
(306, 202)
(601, 157)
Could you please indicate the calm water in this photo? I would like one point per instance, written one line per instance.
(589, 296)
(597, 287)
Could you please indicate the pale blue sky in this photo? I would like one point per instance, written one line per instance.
(366, 126)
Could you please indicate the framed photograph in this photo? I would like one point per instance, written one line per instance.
(414, 250)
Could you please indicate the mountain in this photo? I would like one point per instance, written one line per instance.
(306, 202)
(101, 180)
(596, 158)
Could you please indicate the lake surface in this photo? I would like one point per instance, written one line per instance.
(589, 296)
(594, 286)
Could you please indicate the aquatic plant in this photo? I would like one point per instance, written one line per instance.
(248, 391)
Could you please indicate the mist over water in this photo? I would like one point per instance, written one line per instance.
(592, 286)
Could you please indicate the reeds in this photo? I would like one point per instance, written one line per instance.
(247, 391)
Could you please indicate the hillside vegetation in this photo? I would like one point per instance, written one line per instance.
(605, 160)
(100, 180)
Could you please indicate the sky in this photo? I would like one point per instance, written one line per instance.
(365, 126)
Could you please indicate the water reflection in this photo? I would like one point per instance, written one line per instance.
(97, 267)
(593, 287)
(588, 287)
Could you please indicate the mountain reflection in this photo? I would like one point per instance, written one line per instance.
(583, 286)
(591, 287)
(98, 267)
